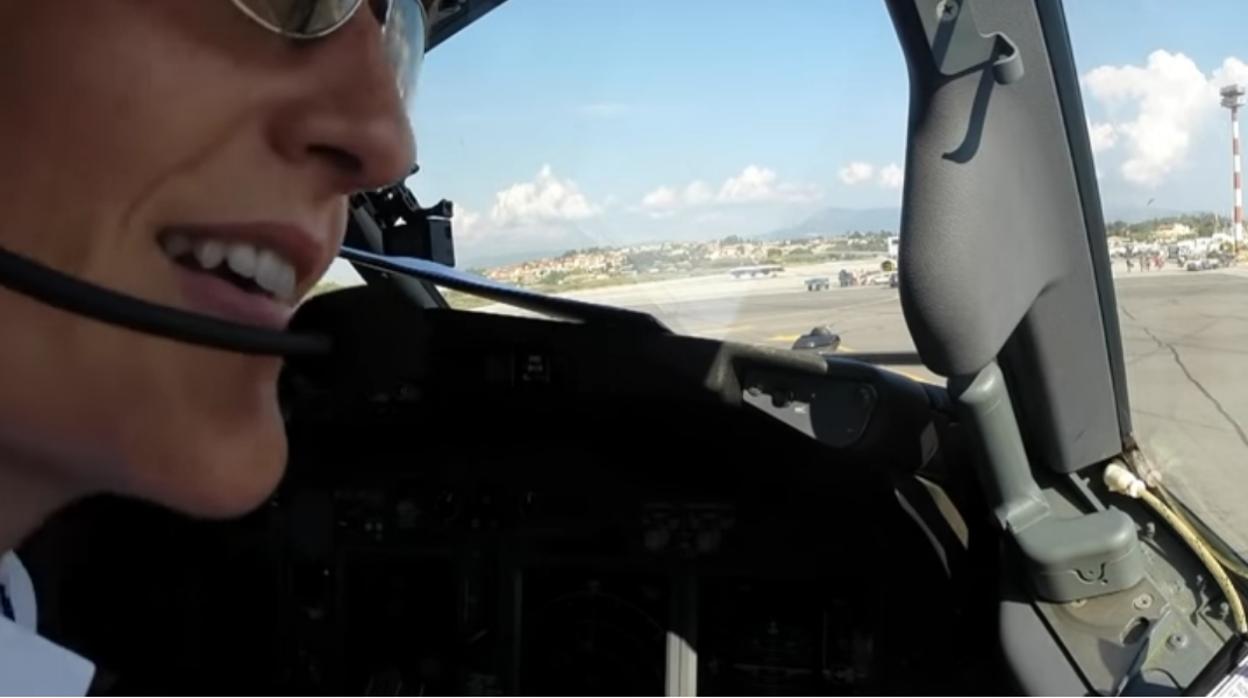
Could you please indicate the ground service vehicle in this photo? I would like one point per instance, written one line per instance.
(820, 339)
(589, 502)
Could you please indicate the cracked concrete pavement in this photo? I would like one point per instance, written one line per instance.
(1185, 340)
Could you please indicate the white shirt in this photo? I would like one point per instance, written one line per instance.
(31, 665)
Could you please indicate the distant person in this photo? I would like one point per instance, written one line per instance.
(1130, 265)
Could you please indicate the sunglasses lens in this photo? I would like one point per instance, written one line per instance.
(404, 29)
(300, 18)
(404, 37)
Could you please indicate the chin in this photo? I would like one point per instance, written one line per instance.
(233, 487)
(216, 470)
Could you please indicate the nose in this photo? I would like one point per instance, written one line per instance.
(350, 123)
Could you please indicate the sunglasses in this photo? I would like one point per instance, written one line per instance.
(403, 22)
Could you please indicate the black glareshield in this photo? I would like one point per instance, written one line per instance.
(60, 290)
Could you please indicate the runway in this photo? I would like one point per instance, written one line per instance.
(1185, 343)
(868, 318)
(775, 311)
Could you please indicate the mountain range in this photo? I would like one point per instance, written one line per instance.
(839, 221)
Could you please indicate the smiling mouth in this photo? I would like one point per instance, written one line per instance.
(250, 268)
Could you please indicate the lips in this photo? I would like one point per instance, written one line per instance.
(249, 273)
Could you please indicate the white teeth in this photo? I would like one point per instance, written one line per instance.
(209, 253)
(176, 245)
(242, 259)
(274, 275)
(267, 268)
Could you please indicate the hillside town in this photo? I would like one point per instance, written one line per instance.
(605, 265)
(1178, 240)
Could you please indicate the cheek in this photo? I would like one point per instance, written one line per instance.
(209, 440)
(109, 410)
(122, 99)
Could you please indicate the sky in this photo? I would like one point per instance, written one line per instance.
(559, 124)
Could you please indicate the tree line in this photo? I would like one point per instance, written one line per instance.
(1202, 224)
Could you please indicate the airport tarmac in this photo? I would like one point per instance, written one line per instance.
(1185, 341)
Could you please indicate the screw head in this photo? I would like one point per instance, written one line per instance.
(1176, 641)
(1143, 601)
(947, 10)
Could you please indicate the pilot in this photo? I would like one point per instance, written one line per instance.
(199, 155)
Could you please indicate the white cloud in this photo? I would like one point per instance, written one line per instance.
(1166, 102)
(753, 184)
(667, 199)
(1103, 136)
(661, 198)
(698, 193)
(546, 199)
(892, 176)
(1232, 71)
(466, 224)
(856, 172)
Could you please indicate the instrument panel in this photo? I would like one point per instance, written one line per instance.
(488, 505)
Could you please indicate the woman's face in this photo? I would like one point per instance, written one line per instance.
(125, 124)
